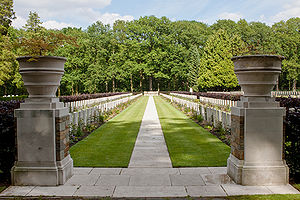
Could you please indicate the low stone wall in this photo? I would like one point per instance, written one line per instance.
(210, 114)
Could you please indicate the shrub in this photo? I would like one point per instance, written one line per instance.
(7, 135)
(88, 96)
(292, 135)
(200, 118)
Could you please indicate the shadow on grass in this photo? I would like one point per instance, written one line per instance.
(189, 144)
(111, 145)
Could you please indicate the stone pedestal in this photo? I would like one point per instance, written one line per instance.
(257, 143)
(42, 143)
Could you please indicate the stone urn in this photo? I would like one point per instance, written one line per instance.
(41, 74)
(257, 74)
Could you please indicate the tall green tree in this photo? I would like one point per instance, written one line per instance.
(216, 67)
(194, 66)
(288, 36)
(33, 22)
(8, 64)
(7, 14)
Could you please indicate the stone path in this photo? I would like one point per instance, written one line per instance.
(150, 174)
(150, 148)
(148, 182)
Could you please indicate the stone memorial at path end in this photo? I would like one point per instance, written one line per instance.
(257, 124)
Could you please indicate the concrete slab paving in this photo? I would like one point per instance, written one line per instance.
(138, 171)
(17, 191)
(95, 191)
(109, 171)
(205, 191)
(61, 191)
(150, 180)
(218, 170)
(284, 189)
(82, 170)
(216, 179)
(186, 180)
(194, 170)
(233, 190)
(86, 180)
(152, 191)
(150, 135)
(113, 180)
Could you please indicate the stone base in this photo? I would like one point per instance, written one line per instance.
(246, 174)
(65, 170)
(36, 174)
(234, 168)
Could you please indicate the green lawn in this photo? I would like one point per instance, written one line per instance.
(189, 144)
(111, 145)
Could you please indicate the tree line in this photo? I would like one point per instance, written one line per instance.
(152, 53)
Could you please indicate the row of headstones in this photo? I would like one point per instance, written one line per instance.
(213, 101)
(88, 115)
(285, 93)
(184, 95)
(82, 104)
(11, 95)
(211, 115)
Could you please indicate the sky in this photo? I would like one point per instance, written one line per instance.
(57, 14)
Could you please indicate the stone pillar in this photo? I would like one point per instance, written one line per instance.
(42, 143)
(257, 125)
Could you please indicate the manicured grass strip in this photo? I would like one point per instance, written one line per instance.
(111, 145)
(297, 186)
(189, 144)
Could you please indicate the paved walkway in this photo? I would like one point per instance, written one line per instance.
(148, 182)
(150, 148)
(150, 174)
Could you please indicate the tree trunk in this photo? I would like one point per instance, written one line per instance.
(72, 89)
(131, 83)
(76, 89)
(150, 83)
(141, 81)
(174, 84)
(158, 86)
(113, 85)
(294, 85)
(106, 86)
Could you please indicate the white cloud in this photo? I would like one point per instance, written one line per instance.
(63, 13)
(19, 22)
(232, 16)
(53, 6)
(51, 24)
(110, 18)
(291, 9)
(107, 18)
